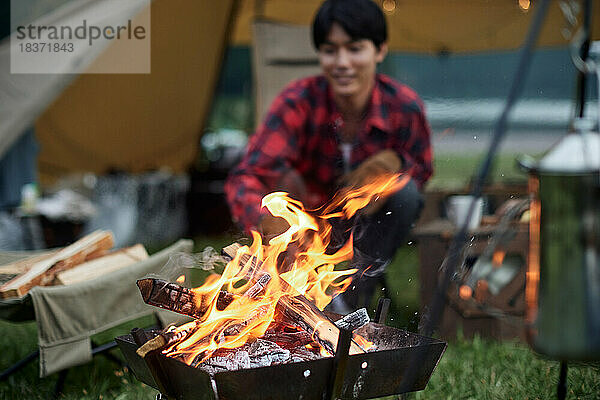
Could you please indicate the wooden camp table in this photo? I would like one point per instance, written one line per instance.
(433, 240)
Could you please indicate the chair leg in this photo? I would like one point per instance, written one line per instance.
(60, 383)
(104, 350)
(158, 322)
(19, 365)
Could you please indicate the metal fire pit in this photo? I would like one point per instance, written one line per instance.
(368, 375)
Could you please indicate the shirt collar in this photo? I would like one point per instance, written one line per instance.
(376, 116)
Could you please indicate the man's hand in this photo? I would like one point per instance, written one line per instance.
(271, 226)
(384, 162)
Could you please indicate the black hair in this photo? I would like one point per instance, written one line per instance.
(361, 19)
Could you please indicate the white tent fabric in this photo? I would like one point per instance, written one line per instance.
(23, 97)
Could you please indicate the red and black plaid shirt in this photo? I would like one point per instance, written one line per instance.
(301, 130)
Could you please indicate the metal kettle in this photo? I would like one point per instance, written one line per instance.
(563, 276)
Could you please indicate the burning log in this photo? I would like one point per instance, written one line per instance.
(354, 320)
(258, 287)
(288, 340)
(299, 311)
(179, 299)
(166, 338)
(229, 253)
(182, 300)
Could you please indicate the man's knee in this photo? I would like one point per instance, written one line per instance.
(407, 203)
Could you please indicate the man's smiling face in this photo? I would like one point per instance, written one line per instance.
(349, 65)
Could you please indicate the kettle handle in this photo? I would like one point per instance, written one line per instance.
(527, 163)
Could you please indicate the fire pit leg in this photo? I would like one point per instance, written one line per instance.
(561, 390)
(342, 352)
(383, 306)
(140, 337)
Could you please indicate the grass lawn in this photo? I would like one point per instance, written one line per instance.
(470, 369)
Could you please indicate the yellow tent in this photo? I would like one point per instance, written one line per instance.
(430, 25)
(135, 122)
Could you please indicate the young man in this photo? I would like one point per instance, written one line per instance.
(347, 125)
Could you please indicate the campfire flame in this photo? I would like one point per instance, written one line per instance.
(296, 262)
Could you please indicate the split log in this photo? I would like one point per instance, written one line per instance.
(257, 313)
(296, 309)
(16, 268)
(258, 287)
(44, 271)
(161, 294)
(179, 299)
(103, 265)
(289, 340)
(354, 320)
(300, 311)
(229, 253)
(166, 338)
(303, 313)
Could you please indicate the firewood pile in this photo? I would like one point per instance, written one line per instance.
(85, 259)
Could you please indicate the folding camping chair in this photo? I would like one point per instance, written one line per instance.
(65, 326)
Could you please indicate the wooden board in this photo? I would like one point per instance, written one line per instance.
(44, 271)
(102, 265)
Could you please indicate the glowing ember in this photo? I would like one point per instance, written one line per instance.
(498, 258)
(465, 292)
(292, 263)
(181, 279)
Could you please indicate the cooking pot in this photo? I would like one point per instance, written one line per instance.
(563, 278)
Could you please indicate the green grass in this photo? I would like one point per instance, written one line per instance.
(455, 172)
(482, 369)
(99, 379)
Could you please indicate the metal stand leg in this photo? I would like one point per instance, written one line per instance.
(18, 365)
(561, 390)
(382, 310)
(340, 359)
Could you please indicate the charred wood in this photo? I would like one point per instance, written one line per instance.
(354, 320)
(173, 297)
(301, 312)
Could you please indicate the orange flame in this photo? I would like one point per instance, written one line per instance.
(310, 272)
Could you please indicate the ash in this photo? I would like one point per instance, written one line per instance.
(261, 353)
